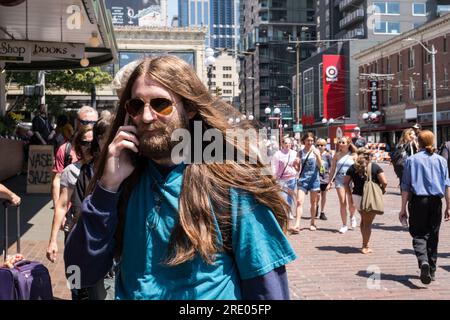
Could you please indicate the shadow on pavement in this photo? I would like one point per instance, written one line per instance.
(327, 230)
(382, 226)
(340, 249)
(31, 205)
(403, 279)
(446, 268)
(410, 251)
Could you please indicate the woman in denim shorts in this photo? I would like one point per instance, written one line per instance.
(309, 162)
(343, 160)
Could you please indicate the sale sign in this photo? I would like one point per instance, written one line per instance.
(333, 83)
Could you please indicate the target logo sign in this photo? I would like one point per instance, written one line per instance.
(332, 74)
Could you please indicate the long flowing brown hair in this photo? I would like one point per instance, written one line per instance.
(362, 161)
(206, 186)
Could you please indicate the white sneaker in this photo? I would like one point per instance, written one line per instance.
(353, 222)
(343, 229)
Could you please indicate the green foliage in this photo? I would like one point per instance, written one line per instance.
(78, 80)
(8, 123)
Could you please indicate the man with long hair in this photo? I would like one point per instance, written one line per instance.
(206, 230)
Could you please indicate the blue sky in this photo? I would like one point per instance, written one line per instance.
(172, 9)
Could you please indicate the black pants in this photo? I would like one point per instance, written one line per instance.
(425, 215)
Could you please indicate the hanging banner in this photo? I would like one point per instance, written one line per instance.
(373, 95)
(333, 86)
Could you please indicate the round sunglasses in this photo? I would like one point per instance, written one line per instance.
(161, 106)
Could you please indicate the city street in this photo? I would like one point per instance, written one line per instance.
(329, 265)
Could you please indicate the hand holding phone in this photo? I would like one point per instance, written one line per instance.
(122, 157)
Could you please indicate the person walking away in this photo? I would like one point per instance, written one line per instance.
(64, 209)
(64, 131)
(425, 182)
(358, 140)
(342, 161)
(65, 155)
(284, 171)
(406, 147)
(358, 175)
(181, 230)
(444, 151)
(42, 128)
(308, 163)
(324, 176)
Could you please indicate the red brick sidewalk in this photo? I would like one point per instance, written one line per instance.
(329, 265)
(36, 250)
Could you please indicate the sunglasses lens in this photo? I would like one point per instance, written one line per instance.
(162, 106)
(134, 106)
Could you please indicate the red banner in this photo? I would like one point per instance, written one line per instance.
(334, 75)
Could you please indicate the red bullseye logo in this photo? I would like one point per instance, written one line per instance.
(331, 73)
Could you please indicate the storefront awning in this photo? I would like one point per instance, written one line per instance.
(55, 34)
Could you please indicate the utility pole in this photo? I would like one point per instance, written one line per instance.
(297, 85)
(41, 81)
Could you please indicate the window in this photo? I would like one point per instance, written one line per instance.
(226, 68)
(427, 55)
(228, 84)
(419, 9)
(227, 91)
(412, 89)
(388, 65)
(411, 58)
(427, 87)
(444, 48)
(386, 27)
(226, 76)
(399, 63)
(446, 78)
(320, 90)
(387, 8)
(389, 94)
(308, 92)
(400, 91)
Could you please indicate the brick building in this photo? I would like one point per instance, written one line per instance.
(396, 80)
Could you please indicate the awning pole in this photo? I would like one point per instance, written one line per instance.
(2, 90)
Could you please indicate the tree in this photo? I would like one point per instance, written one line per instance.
(84, 80)
(76, 80)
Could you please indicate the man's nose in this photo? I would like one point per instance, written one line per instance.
(147, 114)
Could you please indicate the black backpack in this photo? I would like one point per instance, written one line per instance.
(398, 157)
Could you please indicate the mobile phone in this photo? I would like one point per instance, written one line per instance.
(133, 156)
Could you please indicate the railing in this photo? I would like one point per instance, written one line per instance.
(352, 17)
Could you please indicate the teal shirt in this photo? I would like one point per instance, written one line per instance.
(259, 246)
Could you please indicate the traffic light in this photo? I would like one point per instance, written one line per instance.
(218, 91)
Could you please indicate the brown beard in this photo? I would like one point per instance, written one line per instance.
(158, 145)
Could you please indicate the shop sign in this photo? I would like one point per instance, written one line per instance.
(62, 50)
(15, 51)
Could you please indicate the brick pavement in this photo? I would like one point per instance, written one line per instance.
(329, 265)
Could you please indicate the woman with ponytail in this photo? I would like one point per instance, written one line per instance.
(425, 182)
(358, 174)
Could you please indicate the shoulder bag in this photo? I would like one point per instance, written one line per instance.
(372, 198)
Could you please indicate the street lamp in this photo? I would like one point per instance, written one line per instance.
(279, 117)
(209, 62)
(371, 117)
(327, 122)
(433, 52)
